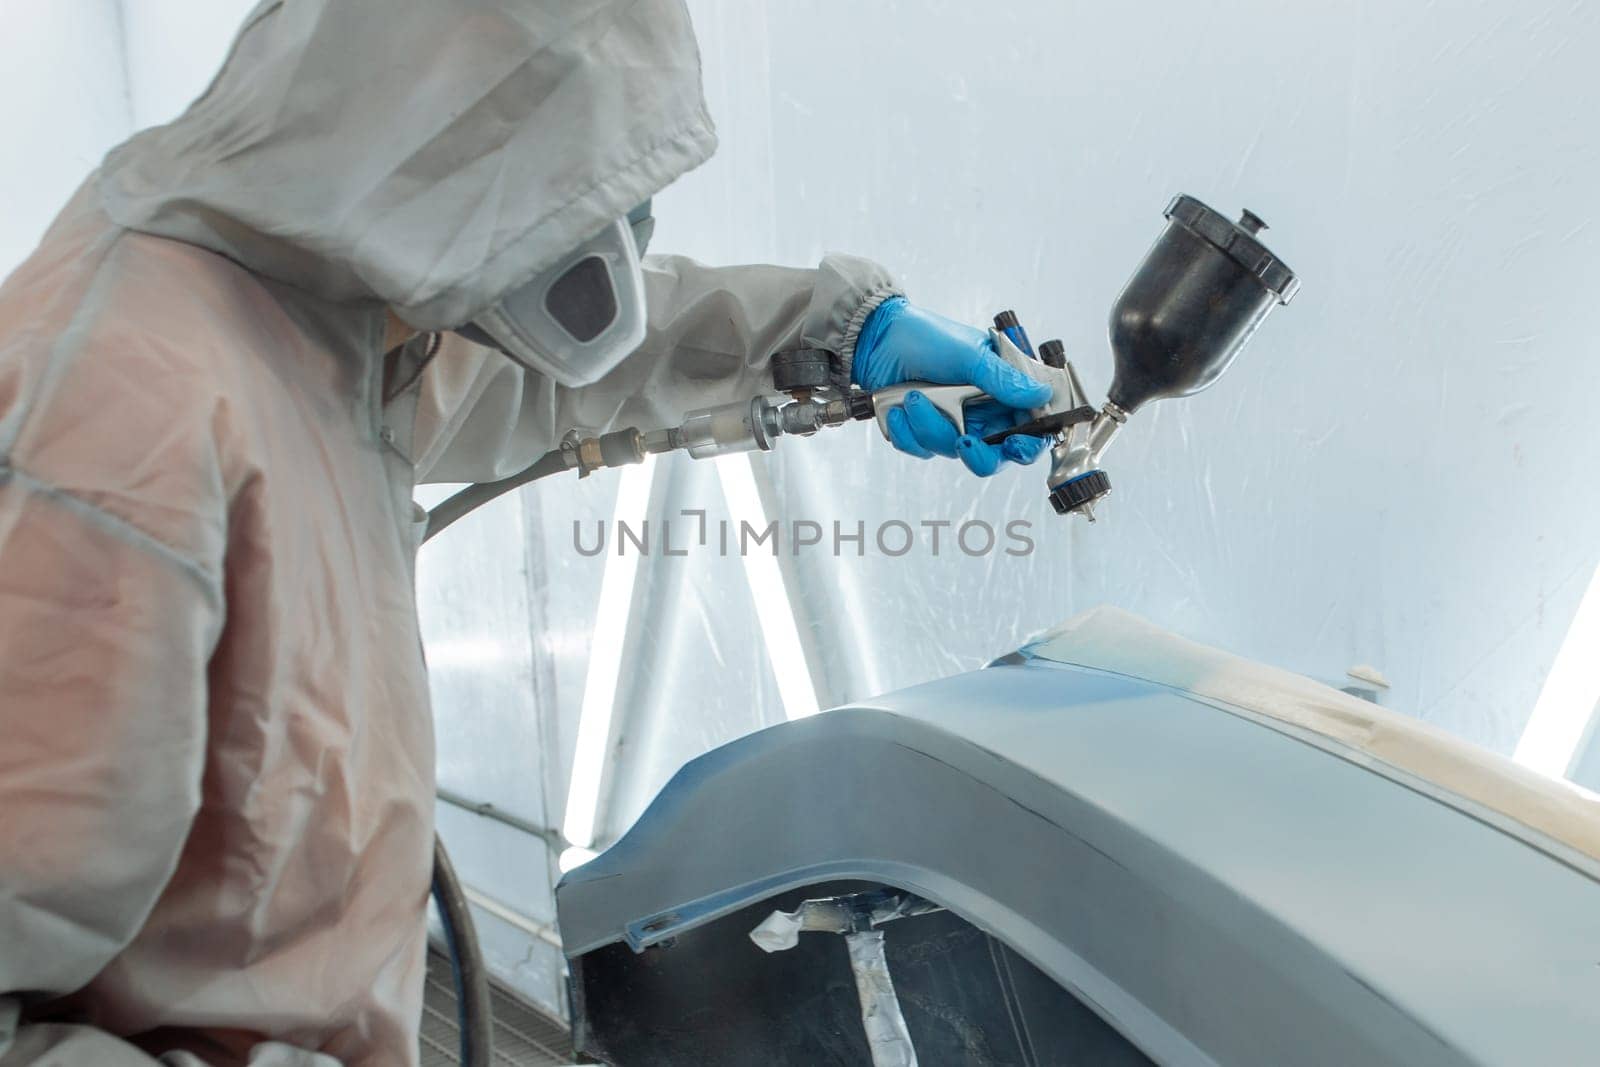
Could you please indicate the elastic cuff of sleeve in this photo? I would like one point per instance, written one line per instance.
(857, 320)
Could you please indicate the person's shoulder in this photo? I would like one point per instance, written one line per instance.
(117, 353)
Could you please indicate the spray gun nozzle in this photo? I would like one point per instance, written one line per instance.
(1080, 493)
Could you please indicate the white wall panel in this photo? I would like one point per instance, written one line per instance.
(174, 47)
(79, 76)
(63, 102)
(1391, 473)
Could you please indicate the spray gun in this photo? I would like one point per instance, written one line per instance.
(1201, 291)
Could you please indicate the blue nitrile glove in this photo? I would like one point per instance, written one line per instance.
(902, 343)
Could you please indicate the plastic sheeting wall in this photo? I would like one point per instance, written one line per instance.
(1390, 475)
(64, 83)
(1395, 473)
(77, 77)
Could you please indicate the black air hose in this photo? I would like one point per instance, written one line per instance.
(473, 1011)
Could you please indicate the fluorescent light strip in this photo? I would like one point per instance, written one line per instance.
(605, 661)
(470, 652)
(1571, 691)
(574, 857)
(773, 610)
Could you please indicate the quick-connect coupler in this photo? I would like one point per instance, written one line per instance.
(753, 426)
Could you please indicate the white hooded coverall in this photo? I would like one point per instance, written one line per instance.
(216, 751)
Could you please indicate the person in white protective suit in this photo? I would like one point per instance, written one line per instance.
(216, 751)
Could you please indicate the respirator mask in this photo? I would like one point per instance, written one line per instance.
(576, 320)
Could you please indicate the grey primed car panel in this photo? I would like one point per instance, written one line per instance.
(1218, 890)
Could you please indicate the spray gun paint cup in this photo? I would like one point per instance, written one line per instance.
(1198, 296)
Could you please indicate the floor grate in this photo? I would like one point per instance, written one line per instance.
(523, 1036)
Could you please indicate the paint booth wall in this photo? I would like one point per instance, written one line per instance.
(77, 77)
(1396, 473)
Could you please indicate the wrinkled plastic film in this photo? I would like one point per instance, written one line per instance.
(778, 932)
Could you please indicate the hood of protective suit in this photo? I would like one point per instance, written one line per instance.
(478, 141)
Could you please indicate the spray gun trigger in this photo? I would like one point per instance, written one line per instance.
(1060, 409)
(949, 399)
(1045, 425)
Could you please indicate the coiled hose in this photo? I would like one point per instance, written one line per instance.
(474, 1014)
